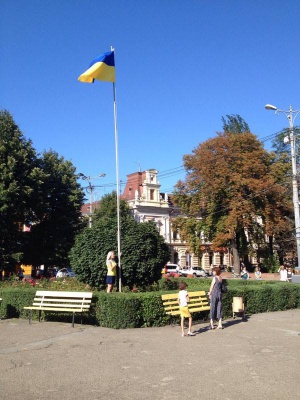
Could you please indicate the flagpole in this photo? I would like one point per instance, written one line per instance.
(118, 185)
(107, 74)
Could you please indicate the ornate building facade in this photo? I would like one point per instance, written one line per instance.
(147, 203)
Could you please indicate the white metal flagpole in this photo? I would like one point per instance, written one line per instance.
(118, 185)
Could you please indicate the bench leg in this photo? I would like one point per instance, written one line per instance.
(40, 312)
(73, 319)
(30, 316)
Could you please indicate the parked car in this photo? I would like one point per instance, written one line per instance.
(172, 269)
(65, 273)
(196, 271)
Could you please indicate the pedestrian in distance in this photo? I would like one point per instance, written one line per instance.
(257, 274)
(21, 274)
(111, 266)
(183, 299)
(283, 274)
(215, 295)
(290, 273)
(245, 274)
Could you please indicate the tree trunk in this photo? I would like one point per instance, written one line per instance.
(271, 250)
(236, 257)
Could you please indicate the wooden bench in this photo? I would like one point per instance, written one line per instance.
(198, 302)
(74, 302)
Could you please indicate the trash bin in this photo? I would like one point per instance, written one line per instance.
(296, 279)
(238, 306)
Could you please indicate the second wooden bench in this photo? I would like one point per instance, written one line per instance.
(55, 301)
(198, 302)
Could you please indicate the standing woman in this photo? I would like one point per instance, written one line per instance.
(111, 266)
(215, 295)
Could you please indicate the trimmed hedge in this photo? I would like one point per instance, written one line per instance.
(13, 301)
(133, 310)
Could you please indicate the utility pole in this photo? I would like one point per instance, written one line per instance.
(89, 190)
(291, 116)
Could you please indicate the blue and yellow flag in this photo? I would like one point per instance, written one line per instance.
(102, 69)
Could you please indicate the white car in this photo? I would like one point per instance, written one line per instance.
(172, 269)
(196, 271)
(65, 273)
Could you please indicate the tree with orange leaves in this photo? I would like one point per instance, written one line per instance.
(234, 191)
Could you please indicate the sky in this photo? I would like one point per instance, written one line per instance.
(180, 66)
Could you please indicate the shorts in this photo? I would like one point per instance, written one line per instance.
(110, 280)
(184, 312)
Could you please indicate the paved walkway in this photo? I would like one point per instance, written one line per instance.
(255, 359)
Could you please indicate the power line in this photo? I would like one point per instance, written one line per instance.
(163, 175)
(171, 172)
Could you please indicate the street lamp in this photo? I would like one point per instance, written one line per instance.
(89, 190)
(291, 116)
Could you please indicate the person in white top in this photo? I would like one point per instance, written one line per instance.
(183, 298)
(283, 274)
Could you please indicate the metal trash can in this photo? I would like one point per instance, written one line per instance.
(238, 307)
(295, 278)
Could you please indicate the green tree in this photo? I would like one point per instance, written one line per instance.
(19, 176)
(281, 144)
(144, 251)
(232, 190)
(58, 214)
(283, 173)
(40, 191)
(235, 124)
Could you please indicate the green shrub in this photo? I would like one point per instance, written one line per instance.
(117, 310)
(144, 250)
(152, 310)
(132, 310)
(67, 284)
(13, 301)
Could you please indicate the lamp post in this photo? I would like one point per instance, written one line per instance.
(291, 116)
(90, 189)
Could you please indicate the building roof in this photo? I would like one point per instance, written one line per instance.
(85, 209)
(133, 184)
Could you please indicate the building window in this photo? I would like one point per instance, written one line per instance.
(151, 194)
(187, 259)
(221, 258)
(211, 258)
(176, 258)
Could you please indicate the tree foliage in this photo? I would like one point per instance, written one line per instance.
(58, 212)
(233, 190)
(19, 173)
(235, 124)
(143, 250)
(282, 170)
(37, 191)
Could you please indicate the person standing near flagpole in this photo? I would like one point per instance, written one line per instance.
(102, 68)
(111, 266)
